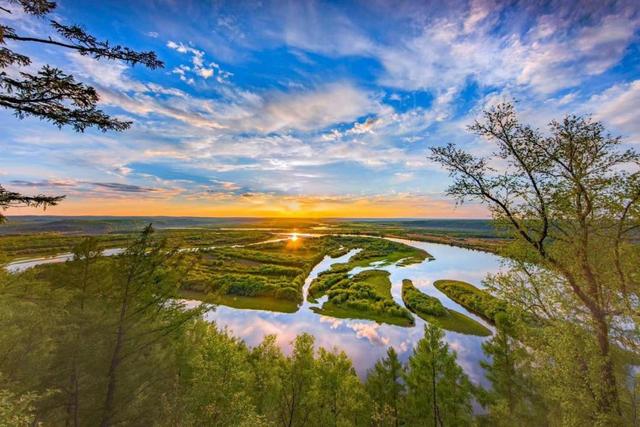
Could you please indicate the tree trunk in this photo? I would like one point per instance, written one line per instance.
(112, 383)
(115, 361)
(609, 402)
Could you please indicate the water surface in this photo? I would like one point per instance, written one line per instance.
(367, 341)
(363, 340)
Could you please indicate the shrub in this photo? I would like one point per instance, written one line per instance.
(288, 293)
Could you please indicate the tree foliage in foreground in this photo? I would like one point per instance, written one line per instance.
(51, 94)
(105, 341)
(571, 199)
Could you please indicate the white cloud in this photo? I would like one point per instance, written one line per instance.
(315, 109)
(198, 65)
(618, 106)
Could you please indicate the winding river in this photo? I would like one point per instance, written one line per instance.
(363, 340)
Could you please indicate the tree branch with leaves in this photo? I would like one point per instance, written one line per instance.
(50, 94)
(572, 201)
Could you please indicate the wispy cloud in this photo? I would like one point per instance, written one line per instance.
(330, 108)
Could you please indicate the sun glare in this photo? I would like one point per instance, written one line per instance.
(294, 237)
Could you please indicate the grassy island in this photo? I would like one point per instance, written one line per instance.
(431, 310)
(475, 300)
(365, 296)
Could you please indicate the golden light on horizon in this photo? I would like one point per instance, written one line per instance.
(295, 242)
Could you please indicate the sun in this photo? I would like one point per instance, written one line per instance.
(294, 237)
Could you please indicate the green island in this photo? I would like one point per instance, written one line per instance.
(477, 301)
(431, 310)
(270, 276)
(366, 295)
(48, 242)
(267, 276)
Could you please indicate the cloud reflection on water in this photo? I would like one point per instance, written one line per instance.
(367, 341)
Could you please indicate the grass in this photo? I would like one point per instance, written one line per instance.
(420, 303)
(52, 243)
(372, 250)
(431, 310)
(475, 300)
(367, 295)
(341, 312)
(246, 303)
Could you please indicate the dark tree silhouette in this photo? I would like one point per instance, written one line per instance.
(51, 94)
(10, 199)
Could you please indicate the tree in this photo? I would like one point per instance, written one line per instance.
(439, 393)
(84, 281)
(512, 398)
(51, 94)
(216, 380)
(386, 389)
(572, 202)
(340, 396)
(10, 199)
(148, 314)
(298, 383)
(267, 363)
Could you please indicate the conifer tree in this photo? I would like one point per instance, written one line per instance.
(438, 391)
(51, 94)
(386, 390)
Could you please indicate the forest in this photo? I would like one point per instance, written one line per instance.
(378, 214)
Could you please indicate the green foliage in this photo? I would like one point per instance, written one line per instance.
(60, 326)
(366, 295)
(288, 294)
(571, 200)
(387, 390)
(215, 380)
(17, 410)
(418, 302)
(439, 393)
(513, 398)
(473, 299)
(431, 309)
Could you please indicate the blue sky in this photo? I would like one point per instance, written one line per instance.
(312, 108)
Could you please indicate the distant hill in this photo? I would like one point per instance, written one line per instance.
(94, 225)
(108, 225)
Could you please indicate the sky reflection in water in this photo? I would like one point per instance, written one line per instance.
(366, 341)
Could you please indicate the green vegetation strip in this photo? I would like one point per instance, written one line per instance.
(431, 310)
(366, 296)
(475, 300)
(244, 303)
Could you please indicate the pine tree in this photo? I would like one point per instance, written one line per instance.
(386, 390)
(439, 393)
(51, 94)
(512, 398)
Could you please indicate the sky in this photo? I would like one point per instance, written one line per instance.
(312, 109)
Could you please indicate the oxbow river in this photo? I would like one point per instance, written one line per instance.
(363, 340)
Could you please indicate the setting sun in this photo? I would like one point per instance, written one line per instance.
(294, 237)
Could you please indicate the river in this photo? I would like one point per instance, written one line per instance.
(363, 340)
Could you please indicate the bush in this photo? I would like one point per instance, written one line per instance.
(421, 303)
(288, 293)
(473, 299)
